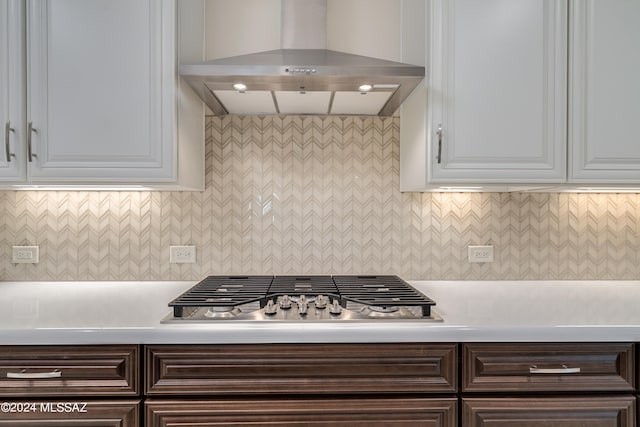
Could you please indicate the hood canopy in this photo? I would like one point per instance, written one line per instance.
(302, 81)
(303, 77)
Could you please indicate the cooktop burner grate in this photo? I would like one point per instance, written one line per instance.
(223, 291)
(381, 291)
(382, 294)
(303, 285)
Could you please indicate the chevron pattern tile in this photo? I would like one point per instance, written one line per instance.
(316, 195)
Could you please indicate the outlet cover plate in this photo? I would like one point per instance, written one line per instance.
(182, 254)
(25, 254)
(482, 253)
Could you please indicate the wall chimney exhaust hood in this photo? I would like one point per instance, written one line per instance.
(303, 77)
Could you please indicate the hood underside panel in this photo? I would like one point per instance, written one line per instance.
(302, 81)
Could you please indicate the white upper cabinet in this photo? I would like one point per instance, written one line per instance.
(103, 97)
(515, 100)
(604, 96)
(12, 153)
(497, 93)
(100, 97)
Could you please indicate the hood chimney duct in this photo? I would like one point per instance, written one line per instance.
(304, 24)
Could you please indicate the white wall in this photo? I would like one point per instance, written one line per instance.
(238, 27)
(365, 27)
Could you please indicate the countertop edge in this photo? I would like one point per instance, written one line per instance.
(318, 335)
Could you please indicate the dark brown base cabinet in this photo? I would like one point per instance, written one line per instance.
(559, 411)
(75, 386)
(307, 369)
(71, 413)
(302, 385)
(334, 385)
(344, 412)
(548, 385)
(548, 367)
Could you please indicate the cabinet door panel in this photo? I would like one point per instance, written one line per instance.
(101, 89)
(12, 160)
(597, 411)
(604, 136)
(346, 412)
(69, 371)
(498, 91)
(300, 369)
(502, 367)
(70, 413)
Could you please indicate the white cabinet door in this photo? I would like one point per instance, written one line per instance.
(498, 91)
(604, 98)
(101, 90)
(12, 158)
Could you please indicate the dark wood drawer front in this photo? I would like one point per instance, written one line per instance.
(47, 413)
(362, 412)
(69, 370)
(301, 368)
(597, 411)
(547, 367)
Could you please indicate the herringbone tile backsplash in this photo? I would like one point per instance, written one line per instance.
(311, 195)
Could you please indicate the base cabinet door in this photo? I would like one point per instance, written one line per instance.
(548, 367)
(593, 411)
(70, 413)
(346, 412)
(64, 371)
(291, 369)
(70, 386)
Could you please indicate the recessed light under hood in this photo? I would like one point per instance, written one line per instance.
(303, 81)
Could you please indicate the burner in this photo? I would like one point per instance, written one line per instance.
(383, 309)
(393, 312)
(223, 312)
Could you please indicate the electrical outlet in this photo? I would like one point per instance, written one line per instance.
(25, 254)
(480, 253)
(182, 254)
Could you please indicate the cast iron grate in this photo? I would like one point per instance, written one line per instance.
(223, 291)
(303, 285)
(381, 291)
(234, 291)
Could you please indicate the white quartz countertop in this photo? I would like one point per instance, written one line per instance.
(130, 312)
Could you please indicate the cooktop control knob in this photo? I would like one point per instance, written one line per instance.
(335, 307)
(321, 302)
(285, 302)
(302, 305)
(270, 308)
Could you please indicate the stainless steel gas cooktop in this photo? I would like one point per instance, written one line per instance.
(301, 298)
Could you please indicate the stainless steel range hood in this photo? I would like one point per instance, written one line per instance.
(303, 77)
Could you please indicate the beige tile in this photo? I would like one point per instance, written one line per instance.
(317, 195)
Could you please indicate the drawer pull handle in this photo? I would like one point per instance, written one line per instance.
(563, 370)
(24, 375)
